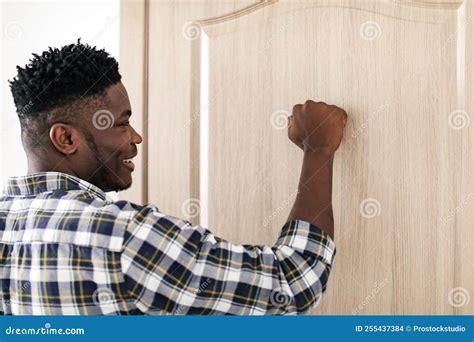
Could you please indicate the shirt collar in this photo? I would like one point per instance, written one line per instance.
(37, 183)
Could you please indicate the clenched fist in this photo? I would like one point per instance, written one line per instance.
(317, 126)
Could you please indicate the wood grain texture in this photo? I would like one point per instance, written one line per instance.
(445, 4)
(134, 70)
(403, 177)
(464, 217)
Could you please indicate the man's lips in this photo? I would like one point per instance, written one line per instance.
(129, 163)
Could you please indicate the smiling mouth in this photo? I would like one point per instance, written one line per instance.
(129, 164)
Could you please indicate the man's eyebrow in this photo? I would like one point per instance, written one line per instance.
(126, 112)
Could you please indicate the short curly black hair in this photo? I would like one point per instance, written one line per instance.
(59, 77)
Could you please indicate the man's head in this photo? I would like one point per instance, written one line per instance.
(74, 113)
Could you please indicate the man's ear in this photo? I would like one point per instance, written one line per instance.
(64, 137)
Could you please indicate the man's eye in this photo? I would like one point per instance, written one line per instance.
(125, 123)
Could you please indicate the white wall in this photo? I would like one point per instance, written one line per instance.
(33, 26)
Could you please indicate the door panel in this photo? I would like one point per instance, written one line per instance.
(222, 78)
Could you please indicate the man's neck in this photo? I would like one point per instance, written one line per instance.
(34, 166)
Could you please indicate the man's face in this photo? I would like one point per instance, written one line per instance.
(110, 140)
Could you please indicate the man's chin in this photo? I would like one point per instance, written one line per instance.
(124, 184)
(118, 184)
(123, 188)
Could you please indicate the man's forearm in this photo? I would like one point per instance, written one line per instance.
(313, 201)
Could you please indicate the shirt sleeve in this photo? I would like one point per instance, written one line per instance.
(173, 267)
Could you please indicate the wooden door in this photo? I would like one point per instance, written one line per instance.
(220, 77)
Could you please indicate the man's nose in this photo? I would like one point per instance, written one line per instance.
(136, 138)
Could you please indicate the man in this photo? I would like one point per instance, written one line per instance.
(67, 248)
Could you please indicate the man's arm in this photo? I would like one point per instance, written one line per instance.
(313, 202)
(317, 128)
(172, 266)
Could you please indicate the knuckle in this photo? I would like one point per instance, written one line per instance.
(342, 113)
(338, 111)
(296, 109)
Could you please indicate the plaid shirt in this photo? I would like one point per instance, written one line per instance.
(66, 248)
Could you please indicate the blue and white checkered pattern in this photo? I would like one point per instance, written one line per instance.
(66, 248)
